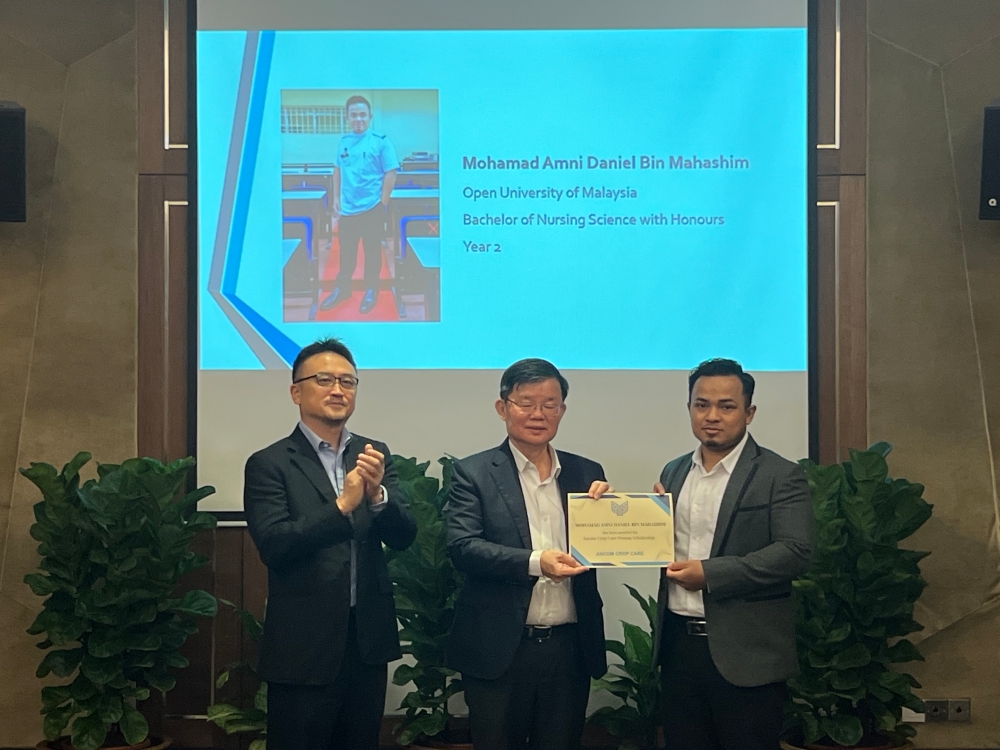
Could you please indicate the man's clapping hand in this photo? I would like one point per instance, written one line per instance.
(371, 466)
(353, 492)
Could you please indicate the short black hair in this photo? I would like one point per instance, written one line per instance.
(332, 345)
(358, 99)
(714, 367)
(530, 371)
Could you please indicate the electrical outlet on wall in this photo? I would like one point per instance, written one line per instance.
(959, 709)
(945, 709)
(936, 710)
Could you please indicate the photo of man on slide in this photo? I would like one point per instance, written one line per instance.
(360, 177)
(363, 178)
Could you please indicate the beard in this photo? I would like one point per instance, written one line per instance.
(718, 444)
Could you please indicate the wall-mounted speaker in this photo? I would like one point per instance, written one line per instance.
(13, 186)
(989, 190)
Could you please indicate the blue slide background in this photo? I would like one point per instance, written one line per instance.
(601, 297)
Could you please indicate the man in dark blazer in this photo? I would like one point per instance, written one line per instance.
(528, 632)
(319, 505)
(743, 531)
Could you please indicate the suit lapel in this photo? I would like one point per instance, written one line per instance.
(675, 482)
(568, 477)
(304, 458)
(736, 488)
(504, 473)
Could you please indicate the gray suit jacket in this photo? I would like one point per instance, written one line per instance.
(763, 541)
(489, 540)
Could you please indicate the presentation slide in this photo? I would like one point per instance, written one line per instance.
(595, 197)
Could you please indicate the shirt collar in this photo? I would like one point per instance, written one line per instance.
(319, 443)
(729, 462)
(522, 462)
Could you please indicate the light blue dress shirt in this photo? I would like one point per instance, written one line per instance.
(333, 461)
(363, 161)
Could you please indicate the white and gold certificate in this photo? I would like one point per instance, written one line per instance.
(621, 529)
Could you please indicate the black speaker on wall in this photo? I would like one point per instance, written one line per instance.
(989, 191)
(13, 188)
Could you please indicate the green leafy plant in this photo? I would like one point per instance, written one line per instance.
(113, 550)
(856, 605)
(636, 683)
(426, 585)
(229, 718)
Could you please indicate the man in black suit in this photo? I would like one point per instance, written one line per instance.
(528, 632)
(319, 505)
(743, 531)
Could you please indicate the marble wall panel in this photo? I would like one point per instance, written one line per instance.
(934, 329)
(969, 84)
(924, 388)
(37, 83)
(937, 30)
(67, 31)
(68, 308)
(959, 664)
(81, 395)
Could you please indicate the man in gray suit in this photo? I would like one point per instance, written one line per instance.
(528, 632)
(743, 531)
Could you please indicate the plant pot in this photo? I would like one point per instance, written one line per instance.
(432, 744)
(785, 745)
(63, 743)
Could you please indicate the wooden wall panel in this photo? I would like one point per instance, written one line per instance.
(162, 316)
(841, 99)
(842, 319)
(150, 384)
(162, 58)
(852, 369)
(842, 86)
(827, 231)
(229, 639)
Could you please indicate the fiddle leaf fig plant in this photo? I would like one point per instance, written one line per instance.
(233, 719)
(425, 584)
(112, 552)
(635, 682)
(856, 605)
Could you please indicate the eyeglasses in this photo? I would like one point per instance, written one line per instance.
(527, 407)
(328, 380)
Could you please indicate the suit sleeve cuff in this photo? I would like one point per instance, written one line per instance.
(379, 507)
(535, 564)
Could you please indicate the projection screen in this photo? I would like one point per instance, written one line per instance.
(620, 188)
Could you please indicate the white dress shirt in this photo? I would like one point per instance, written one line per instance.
(551, 603)
(333, 461)
(697, 512)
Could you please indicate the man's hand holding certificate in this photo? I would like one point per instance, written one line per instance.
(621, 529)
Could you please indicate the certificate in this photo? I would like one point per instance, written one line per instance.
(621, 530)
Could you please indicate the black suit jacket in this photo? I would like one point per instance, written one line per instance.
(490, 541)
(304, 540)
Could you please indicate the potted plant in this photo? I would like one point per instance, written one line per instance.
(856, 608)
(426, 585)
(230, 718)
(113, 550)
(636, 684)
